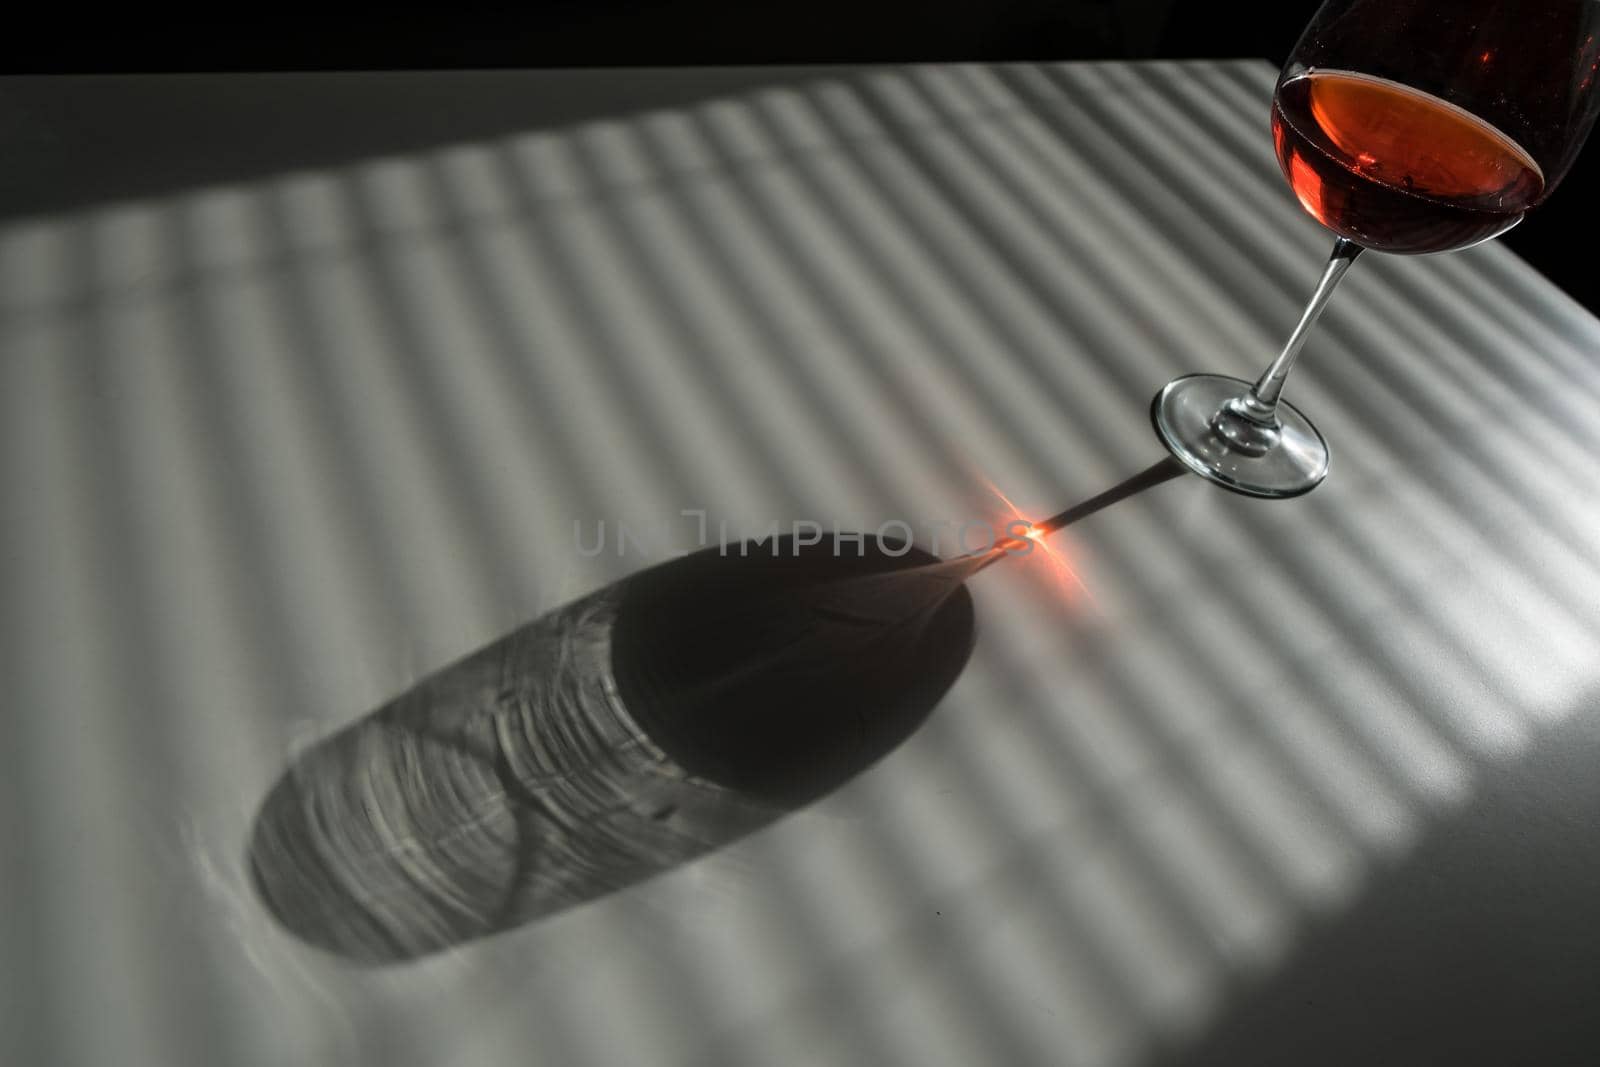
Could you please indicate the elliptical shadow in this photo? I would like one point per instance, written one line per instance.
(612, 740)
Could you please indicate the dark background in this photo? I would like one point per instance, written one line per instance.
(601, 33)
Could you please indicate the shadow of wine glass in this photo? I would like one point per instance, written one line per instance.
(619, 737)
(614, 739)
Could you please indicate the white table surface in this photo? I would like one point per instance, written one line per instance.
(1282, 782)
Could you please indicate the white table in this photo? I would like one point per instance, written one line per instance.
(1304, 781)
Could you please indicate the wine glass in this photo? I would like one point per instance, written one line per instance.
(1405, 126)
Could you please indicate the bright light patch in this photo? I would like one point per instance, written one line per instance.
(1054, 555)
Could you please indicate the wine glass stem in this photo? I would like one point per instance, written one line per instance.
(1249, 423)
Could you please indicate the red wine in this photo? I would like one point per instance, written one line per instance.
(1395, 169)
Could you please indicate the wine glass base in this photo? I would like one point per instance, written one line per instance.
(1182, 412)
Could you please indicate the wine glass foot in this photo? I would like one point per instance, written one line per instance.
(1183, 412)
